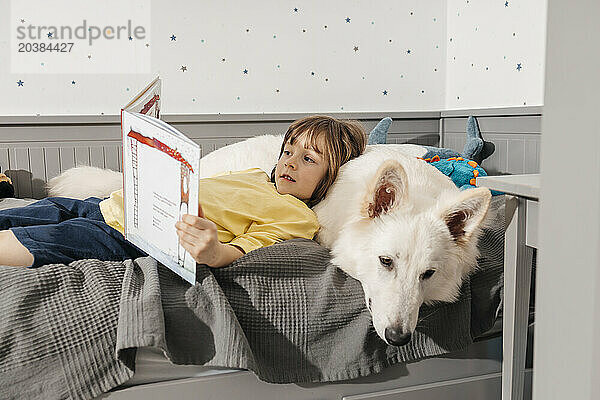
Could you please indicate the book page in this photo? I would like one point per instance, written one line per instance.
(165, 126)
(160, 171)
(147, 101)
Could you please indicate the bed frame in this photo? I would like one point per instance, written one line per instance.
(474, 373)
(35, 149)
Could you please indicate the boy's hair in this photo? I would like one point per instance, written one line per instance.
(343, 141)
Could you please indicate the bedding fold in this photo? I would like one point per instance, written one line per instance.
(284, 312)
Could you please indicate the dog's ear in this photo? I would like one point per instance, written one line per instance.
(386, 190)
(465, 216)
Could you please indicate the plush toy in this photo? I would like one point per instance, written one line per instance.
(463, 167)
(379, 134)
(6, 187)
(462, 172)
(475, 148)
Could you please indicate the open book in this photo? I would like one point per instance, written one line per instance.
(160, 174)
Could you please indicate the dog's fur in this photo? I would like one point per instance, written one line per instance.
(257, 152)
(390, 220)
(82, 182)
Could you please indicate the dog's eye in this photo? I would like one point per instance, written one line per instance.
(386, 261)
(427, 274)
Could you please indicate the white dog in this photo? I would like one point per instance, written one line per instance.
(393, 222)
(405, 231)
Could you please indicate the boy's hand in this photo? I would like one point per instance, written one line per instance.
(198, 236)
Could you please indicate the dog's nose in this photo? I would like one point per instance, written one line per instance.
(396, 337)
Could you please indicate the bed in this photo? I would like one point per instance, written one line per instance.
(472, 371)
(467, 368)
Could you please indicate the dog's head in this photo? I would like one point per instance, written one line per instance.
(406, 253)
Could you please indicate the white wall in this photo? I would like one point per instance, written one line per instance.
(281, 47)
(486, 40)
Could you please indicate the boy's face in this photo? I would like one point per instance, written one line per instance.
(303, 165)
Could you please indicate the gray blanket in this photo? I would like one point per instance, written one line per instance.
(284, 312)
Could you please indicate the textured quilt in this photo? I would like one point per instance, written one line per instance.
(284, 312)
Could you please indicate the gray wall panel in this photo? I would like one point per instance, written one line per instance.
(24, 133)
(11, 170)
(67, 158)
(501, 166)
(4, 165)
(111, 157)
(97, 156)
(496, 164)
(515, 154)
(82, 155)
(22, 166)
(37, 165)
(532, 156)
(34, 153)
(236, 118)
(508, 124)
(427, 139)
(516, 138)
(232, 130)
(52, 156)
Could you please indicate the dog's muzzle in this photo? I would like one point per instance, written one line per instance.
(396, 337)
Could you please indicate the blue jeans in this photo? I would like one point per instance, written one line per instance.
(61, 230)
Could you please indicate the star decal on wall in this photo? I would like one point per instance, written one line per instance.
(72, 82)
(355, 48)
(20, 83)
(385, 92)
(183, 68)
(348, 20)
(173, 37)
(519, 67)
(49, 34)
(245, 71)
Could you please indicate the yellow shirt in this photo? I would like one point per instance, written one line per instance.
(245, 206)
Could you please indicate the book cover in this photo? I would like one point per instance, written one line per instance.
(160, 174)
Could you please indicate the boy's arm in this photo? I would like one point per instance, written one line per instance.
(227, 254)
